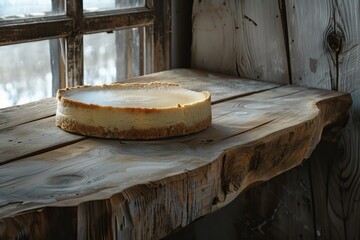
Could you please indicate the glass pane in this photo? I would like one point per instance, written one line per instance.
(25, 73)
(30, 8)
(111, 57)
(94, 5)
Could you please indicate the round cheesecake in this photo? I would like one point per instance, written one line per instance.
(133, 110)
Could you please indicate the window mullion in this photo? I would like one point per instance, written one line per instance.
(124, 49)
(149, 50)
(141, 51)
(57, 64)
(162, 33)
(74, 44)
(57, 53)
(120, 43)
(129, 51)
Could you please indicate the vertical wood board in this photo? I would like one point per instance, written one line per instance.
(308, 23)
(243, 38)
(323, 39)
(325, 52)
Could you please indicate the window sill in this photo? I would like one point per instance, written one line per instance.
(96, 186)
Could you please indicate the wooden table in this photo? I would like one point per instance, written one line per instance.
(54, 184)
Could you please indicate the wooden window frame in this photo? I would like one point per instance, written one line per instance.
(75, 23)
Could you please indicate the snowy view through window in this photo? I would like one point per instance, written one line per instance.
(25, 69)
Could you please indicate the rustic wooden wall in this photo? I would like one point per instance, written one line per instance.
(329, 58)
(302, 42)
(241, 38)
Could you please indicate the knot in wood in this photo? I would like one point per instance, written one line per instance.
(334, 41)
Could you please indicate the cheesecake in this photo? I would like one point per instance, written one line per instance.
(133, 110)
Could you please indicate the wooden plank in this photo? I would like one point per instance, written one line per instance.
(31, 29)
(33, 138)
(243, 38)
(347, 52)
(117, 19)
(154, 187)
(29, 112)
(58, 71)
(129, 53)
(221, 87)
(142, 51)
(37, 136)
(181, 33)
(161, 35)
(249, 216)
(57, 26)
(311, 66)
(74, 45)
(149, 50)
(328, 57)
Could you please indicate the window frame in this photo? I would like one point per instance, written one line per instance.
(75, 23)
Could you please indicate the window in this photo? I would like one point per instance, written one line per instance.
(50, 44)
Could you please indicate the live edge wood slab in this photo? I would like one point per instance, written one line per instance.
(58, 185)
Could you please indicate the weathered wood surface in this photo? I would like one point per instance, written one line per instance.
(247, 217)
(13, 116)
(241, 38)
(147, 189)
(222, 87)
(30, 138)
(161, 35)
(322, 40)
(327, 57)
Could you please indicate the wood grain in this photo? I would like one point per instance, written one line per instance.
(323, 52)
(57, 26)
(148, 189)
(20, 136)
(243, 38)
(192, 79)
(117, 19)
(222, 87)
(34, 28)
(275, 209)
(161, 35)
(33, 138)
(309, 63)
(29, 112)
(328, 58)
